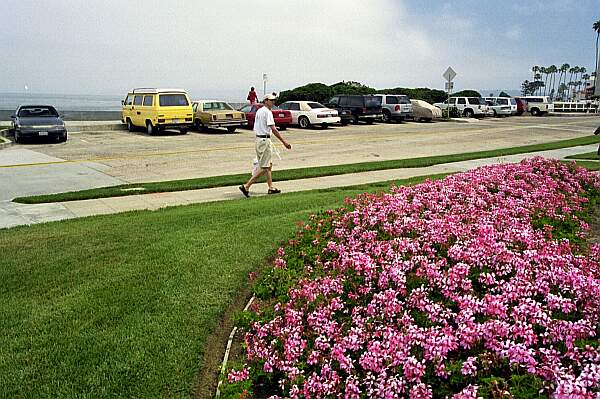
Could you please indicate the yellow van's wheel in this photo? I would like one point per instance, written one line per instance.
(150, 129)
(130, 126)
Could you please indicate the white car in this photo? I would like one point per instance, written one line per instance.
(539, 105)
(505, 101)
(307, 113)
(497, 110)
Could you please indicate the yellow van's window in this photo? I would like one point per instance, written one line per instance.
(148, 101)
(173, 100)
(129, 100)
(137, 100)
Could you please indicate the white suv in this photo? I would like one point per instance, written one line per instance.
(467, 106)
(539, 105)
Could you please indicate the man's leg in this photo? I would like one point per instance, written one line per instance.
(254, 178)
(269, 176)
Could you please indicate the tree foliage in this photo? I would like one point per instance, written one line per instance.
(321, 92)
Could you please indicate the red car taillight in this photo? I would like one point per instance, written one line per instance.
(364, 110)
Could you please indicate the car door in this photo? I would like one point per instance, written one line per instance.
(136, 110)
(127, 107)
(294, 109)
(146, 108)
(246, 110)
(461, 103)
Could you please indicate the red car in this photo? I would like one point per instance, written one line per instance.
(283, 118)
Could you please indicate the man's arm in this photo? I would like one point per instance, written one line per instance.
(278, 135)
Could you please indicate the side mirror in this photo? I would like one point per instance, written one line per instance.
(122, 102)
(13, 117)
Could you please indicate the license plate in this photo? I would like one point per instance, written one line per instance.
(43, 133)
(281, 115)
(176, 120)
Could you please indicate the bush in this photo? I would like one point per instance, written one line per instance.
(454, 288)
(466, 93)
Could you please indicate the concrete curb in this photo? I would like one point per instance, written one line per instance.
(4, 142)
(92, 127)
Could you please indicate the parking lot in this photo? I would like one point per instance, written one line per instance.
(121, 156)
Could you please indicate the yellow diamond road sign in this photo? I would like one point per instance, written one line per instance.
(449, 74)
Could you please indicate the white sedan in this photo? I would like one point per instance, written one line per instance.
(307, 113)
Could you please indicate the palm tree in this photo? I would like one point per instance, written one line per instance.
(552, 69)
(536, 80)
(571, 72)
(596, 28)
(535, 71)
(562, 89)
(544, 71)
(563, 71)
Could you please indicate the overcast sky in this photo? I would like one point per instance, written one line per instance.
(220, 48)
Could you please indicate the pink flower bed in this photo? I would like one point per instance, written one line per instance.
(440, 289)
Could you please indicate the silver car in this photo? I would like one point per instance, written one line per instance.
(395, 107)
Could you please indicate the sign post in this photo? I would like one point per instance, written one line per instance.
(449, 75)
(264, 84)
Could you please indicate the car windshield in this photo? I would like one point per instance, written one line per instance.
(403, 100)
(173, 100)
(37, 112)
(316, 105)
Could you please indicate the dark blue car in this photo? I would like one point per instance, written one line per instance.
(31, 121)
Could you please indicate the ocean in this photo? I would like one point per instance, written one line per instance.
(62, 102)
(69, 102)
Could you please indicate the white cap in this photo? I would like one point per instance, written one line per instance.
(269, 97)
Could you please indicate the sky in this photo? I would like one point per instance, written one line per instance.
(218, 49)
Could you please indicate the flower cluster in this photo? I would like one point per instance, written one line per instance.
(432, 289)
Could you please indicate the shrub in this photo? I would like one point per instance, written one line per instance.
(454, 288)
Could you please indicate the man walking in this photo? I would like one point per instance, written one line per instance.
(264, 127)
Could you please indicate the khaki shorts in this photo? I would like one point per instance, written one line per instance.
(263, 152)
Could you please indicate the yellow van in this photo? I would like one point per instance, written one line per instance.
(157, 109)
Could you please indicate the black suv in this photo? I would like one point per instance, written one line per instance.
(355, 108)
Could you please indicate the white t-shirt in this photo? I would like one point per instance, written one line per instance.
(263, 121)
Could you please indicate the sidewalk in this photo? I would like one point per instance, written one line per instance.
(13, 214)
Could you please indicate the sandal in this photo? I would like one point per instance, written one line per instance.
(273, 191)
(244, 191)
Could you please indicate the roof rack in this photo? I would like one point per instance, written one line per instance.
(155, 90)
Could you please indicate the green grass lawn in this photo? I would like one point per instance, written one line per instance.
(301, 173)
(121, 305)
(587, 155)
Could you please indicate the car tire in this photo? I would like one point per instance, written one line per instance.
(183, 130)
(369, 121)
(231, 129)
(18, 138)
(150, 128)
(387, 116)
(355, 119)
(495, 114)
(130, 126)
(324, 125)
(303, 122)
(468, 113)
(535, 112)
(284, 127)
(344, 122)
